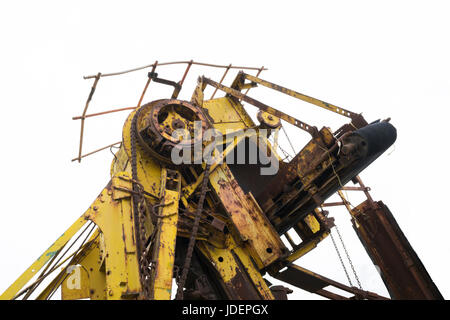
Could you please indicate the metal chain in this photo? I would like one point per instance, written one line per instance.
(289, 140)
(139, 212)
(190, 250)
(340, 259)
(340, 237)
(348, 258)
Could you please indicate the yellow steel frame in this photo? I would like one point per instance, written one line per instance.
(236, 270)
(301, 96)
(12, 291)
(112, 213)
(109, 264)
(165, 238)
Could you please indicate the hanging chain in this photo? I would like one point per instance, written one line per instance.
(190, 250)
(340, 237)
(139, 212)
(289, 140)
(348, 258)
(340, 259)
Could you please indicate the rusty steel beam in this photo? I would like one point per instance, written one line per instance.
(355, 188)
(358, 120)
(257, 75)
(401, 269)
(328, 106)
(365, 189)
(315, 283)
(332, 204)
(330, 295)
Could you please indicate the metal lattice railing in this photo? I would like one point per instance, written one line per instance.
(99, 75)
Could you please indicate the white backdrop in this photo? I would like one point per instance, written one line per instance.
(381, 58)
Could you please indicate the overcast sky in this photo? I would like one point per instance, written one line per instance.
(381, 58)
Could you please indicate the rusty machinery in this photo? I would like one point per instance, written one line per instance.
(218, 227)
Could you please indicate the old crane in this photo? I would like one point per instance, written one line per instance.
(199, 193)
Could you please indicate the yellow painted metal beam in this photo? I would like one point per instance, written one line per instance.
(11, 292)
(277, 113)
(165, 238)
(307, 247)
(303, 97)
(112, 213)
(253, 226)
(240, 278)
(76, 257)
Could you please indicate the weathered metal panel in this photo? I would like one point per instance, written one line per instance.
(251, 223)
(401, 269)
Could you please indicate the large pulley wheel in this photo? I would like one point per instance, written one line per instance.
(167, 124)
(267, 120)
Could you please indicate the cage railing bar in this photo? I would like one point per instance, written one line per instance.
(95, 151)
(186, 72)
(103, 113)
(94, 86)
(191, 62)
(146, 84)
(221, 80)
(153, 66)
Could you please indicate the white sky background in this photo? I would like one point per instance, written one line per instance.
(381, 58)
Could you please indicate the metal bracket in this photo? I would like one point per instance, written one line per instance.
(177, 86)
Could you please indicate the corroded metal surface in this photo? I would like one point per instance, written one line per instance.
(400, 267)
(315, 283)
(160, 120)
(250, 222)
(217, 227)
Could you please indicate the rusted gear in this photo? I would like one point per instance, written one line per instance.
(167, 124)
